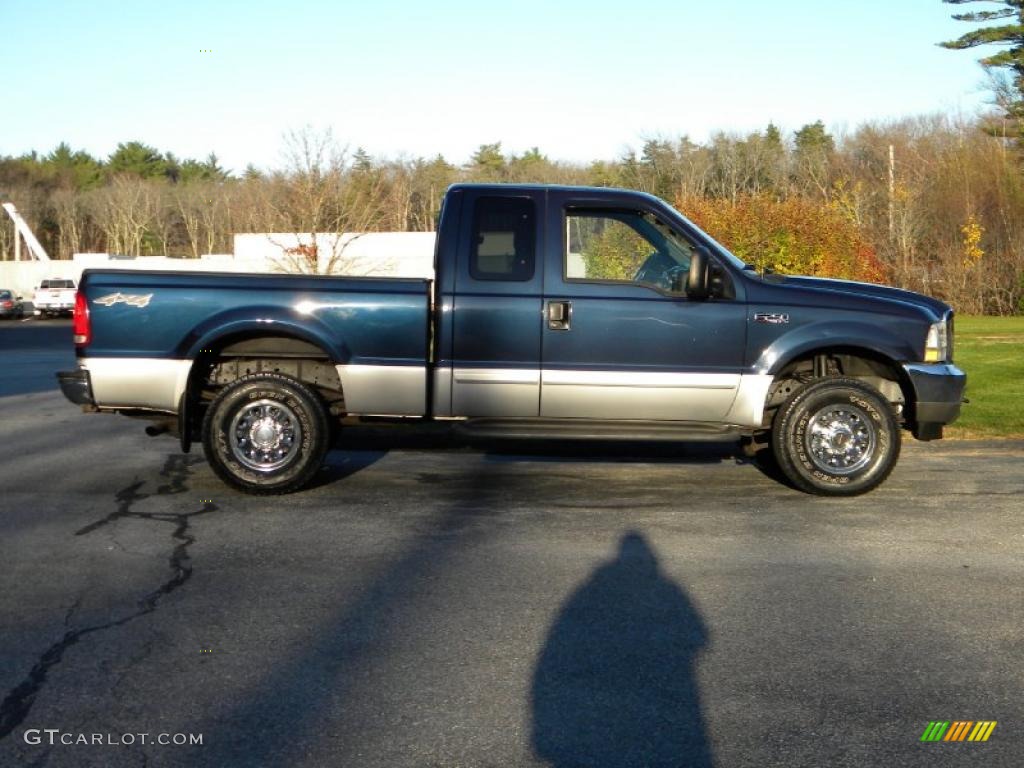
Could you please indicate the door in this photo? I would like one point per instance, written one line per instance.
(497, 306)
(620, 338)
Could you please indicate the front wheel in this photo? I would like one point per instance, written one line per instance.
(836, 437)
(266, 433)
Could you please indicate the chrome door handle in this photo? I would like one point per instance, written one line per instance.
(559, 315)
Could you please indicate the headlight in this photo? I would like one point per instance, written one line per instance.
(936, 346)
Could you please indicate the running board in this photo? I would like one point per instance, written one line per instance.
(586, 429)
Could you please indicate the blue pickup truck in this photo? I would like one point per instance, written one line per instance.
(555, 312)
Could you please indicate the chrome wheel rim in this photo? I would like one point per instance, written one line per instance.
(840, 439)
(265, 435)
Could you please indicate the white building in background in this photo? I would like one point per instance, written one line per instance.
(378, 254)
(374, 254)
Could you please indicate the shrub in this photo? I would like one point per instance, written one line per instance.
(791, 236)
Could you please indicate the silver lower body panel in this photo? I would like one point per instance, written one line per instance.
(637, 395)
(394, 390)
(384, 390)
(747, 409)
(607, 395)
(133, 382)
(498, 392)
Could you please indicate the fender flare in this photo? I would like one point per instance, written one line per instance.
(261, 321)
(828, 335)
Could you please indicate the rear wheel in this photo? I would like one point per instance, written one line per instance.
(836, 437)
(266, 433)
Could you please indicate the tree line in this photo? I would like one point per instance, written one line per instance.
(932, 203)
(929, 203)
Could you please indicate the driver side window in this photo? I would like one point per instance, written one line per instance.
(623, 246)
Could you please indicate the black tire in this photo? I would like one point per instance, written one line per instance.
(266, 434)
(836, 437)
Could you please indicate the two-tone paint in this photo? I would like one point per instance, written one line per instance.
(141, 356)
(458, 347)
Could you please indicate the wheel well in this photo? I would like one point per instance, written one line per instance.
(230, 358)
(871, 367)
(270, 346)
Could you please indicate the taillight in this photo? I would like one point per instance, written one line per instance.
(80, 324)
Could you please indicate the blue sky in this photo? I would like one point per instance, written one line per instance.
(580, 80)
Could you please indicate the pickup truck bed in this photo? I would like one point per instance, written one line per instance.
(142, 351)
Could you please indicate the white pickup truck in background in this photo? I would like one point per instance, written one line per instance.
(54, 297)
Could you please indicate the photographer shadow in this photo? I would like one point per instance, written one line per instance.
(615, 684)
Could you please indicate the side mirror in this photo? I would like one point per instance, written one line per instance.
(697, 280)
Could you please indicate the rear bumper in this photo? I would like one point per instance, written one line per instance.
(76, 386)
(938, 394)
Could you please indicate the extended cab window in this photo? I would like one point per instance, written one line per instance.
(504, 239)
(624, 246)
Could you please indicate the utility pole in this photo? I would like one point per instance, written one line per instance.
(892, 193)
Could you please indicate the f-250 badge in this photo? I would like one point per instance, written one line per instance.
(772, 318)
(124, 298)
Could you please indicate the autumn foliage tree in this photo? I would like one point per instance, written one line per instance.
(792, 236)
(930, 203)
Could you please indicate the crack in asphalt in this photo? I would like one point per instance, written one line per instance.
(18, 702)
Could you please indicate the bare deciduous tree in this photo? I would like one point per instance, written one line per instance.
(124, 211)
(71, 215)
(318, 196)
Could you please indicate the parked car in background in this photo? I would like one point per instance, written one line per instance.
(10, 305)
(54, 297)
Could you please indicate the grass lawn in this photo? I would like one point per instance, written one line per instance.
(991, 351)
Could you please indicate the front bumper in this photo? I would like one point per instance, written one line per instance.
(938, 394)
(76, 386)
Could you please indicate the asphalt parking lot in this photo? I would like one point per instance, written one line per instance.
(429, 604)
